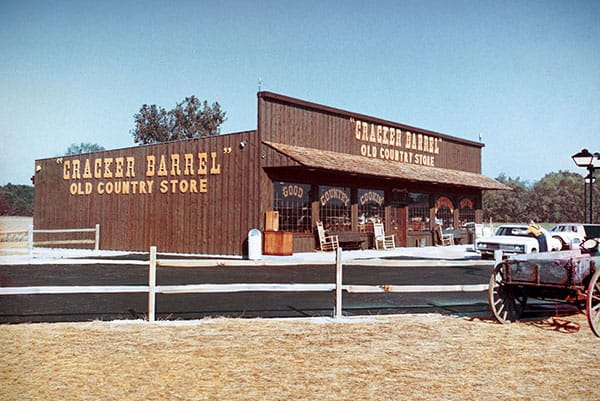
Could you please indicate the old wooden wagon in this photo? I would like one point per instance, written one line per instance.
(568, 276)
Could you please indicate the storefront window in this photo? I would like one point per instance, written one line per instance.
(444, 209)
(335, 210)
(292, 201)
(370, 206)
(466, 211)
(418, 212)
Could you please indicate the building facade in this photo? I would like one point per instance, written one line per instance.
(306, 161)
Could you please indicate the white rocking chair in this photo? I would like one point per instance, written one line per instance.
(445, 239)
(383, 241)
(327, 242)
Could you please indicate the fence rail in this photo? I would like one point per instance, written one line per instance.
(31, 243)
(89, 289)
(152, 288)
(95, 241)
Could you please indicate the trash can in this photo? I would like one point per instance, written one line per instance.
(470, 226)
(254, 244)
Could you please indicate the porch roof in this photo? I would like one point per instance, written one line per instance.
(360, 165)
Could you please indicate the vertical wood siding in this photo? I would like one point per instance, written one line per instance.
(294, 122)
(218, 221)
(214, 222)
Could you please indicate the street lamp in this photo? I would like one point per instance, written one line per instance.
(587, 181)
(591, 162)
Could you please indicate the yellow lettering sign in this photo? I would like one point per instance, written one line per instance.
(113, 175)
(390, 143)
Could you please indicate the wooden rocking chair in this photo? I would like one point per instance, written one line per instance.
(382, 241)
(445, 239)
(327, 242)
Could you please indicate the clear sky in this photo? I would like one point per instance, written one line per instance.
(523, 74)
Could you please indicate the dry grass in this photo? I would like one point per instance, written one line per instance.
(416, 357)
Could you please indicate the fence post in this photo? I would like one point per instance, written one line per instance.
(152, 285)
(97, 239)
(30, 239)
(338, 283)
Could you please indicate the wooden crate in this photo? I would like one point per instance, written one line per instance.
(272, 221)
(280, 243)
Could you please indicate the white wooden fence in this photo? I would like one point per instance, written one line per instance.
(31, 244)
(152, 288)
(95, 241)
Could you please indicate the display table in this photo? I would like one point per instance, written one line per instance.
(456, 234)
(280, 243)
(348, 240)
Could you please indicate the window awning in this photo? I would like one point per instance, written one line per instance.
(356, 164)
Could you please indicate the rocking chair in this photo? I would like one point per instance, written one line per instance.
(327, 242)
(382, 241)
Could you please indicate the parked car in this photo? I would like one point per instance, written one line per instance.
(571, 235)
(513, 239)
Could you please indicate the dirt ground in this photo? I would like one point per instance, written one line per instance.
(416, 357)
(11, 224)
(15, 223)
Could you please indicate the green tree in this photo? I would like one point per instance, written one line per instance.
(151, 125)
(557, 197)
(189, 119)
(4, 203)
(87, 147)
(507, 206)
(16, 200)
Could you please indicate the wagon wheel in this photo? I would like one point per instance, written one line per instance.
(506, 301)
(593, 303)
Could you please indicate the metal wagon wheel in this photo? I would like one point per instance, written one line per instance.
(506, 301)
(593, 303)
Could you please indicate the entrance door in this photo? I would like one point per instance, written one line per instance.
(398, 224)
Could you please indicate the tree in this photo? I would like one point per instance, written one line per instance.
(16, 200)
(4, 203)
(189, 119)
(151, 125)
(507, 206)
(557, 198)
(75, 149)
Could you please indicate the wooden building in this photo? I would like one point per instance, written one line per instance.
(306, 161)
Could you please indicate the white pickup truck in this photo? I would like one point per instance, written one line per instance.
(571, 235)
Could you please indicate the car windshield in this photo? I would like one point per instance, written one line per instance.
(562, 229)
(592, 231)
(513, 231)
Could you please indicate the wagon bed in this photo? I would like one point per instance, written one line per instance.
(568, 276)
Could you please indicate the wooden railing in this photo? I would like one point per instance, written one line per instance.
(96, 241)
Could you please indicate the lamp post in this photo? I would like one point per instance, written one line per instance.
(587, 181)
(591, 162)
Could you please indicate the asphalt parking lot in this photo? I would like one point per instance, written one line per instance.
(402, 267)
